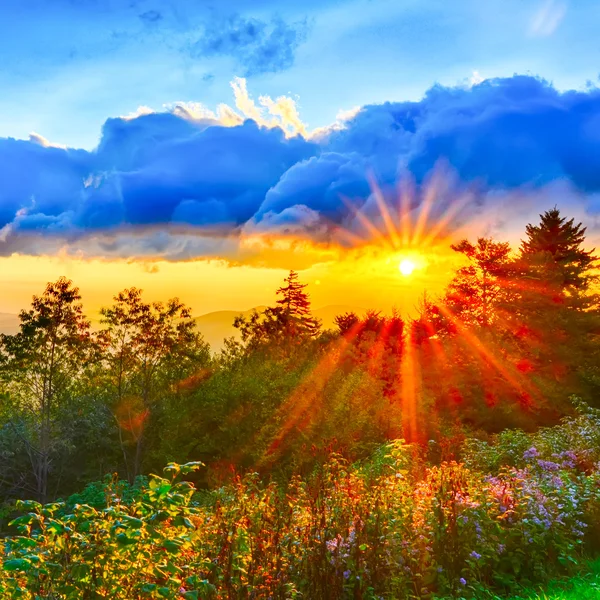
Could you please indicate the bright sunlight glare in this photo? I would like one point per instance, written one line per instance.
(406, 267)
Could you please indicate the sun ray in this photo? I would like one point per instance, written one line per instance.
(294, 409)
(385, 213)
(365, 221)
(476, 343)
(425, 209)
(405, 194)
(410, 380)
(452, 211)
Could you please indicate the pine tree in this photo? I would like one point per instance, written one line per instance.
(557, 243)
(295, 303)
(281, 327)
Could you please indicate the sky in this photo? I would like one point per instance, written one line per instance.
(202, 149)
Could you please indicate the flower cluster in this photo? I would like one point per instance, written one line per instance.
(346, 531)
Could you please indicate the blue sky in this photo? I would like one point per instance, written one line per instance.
(257, 117)
(71, 64)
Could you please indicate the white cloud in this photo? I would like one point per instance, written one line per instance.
(476, 78)
(282, 112)
(548, 17)
(141, 110)
(36, 138)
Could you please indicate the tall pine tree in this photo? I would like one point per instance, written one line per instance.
(554, 248)
(284, 326)
(296, 311)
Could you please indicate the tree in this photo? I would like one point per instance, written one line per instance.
(284, 326)
(477, 287)
(40, 366)
(430, 323)
(148, 349)
(295, 302)
(347, 323)
(559, 242)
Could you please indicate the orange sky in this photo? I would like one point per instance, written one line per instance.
(364, 278)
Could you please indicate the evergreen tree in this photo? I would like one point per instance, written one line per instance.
(558, 243)
(295, 303)
(288, 324)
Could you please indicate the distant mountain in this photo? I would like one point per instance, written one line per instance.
(218, 325)
(9, 324)
(214, 326)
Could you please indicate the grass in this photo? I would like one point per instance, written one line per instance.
(582, 587)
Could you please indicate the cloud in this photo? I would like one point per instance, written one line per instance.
(548, 17)
(193, 182)
(257, 46)
(150, 17)
(281, 112)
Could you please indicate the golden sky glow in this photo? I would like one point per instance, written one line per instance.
(365, 278)
(386, 257)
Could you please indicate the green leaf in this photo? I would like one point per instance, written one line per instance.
(133, 521)
(191, 466)
(24, 520)
(17, 564)
(172, 546)
(80, 570)
(124, 540)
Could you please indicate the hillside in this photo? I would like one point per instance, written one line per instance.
(9, 323)
(218, 325)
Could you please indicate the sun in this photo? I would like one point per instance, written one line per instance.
(406, 267)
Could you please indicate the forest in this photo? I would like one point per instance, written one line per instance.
(454, 453)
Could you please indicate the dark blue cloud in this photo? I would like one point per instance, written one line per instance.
(42, 180)
(166, 171)
(257, 46)
(505, 132)
(320, 183)
(150, 17)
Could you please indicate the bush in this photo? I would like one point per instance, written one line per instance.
(513, 514)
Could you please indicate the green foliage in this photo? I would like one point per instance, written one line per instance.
(390, 527)
(40, 366)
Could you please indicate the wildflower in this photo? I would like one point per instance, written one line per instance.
(347, 574)
(475, 555)
(462, 581)
(548, 465)
(531, 453)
